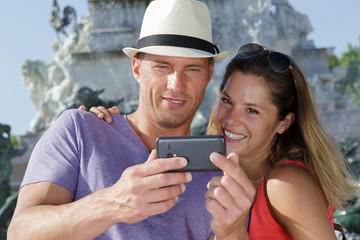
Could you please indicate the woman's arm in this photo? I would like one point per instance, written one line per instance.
(299, 203)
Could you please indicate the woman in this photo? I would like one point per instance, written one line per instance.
(267, 114)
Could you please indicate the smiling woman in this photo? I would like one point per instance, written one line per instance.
(267, 114)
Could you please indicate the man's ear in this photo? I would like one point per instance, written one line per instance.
(136, 68)
(286, 123)
(211, 70)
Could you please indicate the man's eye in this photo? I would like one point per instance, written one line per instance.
(161, 67)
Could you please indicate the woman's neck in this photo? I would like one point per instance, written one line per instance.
(255, 169)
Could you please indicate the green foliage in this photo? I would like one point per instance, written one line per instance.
(350, 217)
(334, 61)
(14, 142)
(349, 86)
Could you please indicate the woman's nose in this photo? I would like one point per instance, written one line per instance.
(234, 117)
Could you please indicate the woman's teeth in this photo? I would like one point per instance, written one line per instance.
(233, 135)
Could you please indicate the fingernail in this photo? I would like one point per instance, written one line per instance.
(183, 162)
(188, 176)
(215, 156)
(182, 187)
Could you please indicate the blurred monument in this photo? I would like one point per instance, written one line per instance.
(90, 56)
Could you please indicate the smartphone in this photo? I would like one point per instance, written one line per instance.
(196, 149)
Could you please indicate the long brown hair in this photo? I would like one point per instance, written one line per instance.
(305, 140)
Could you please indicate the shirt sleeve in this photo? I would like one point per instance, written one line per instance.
(55, 157)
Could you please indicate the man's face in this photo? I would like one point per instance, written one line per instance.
(171, 88)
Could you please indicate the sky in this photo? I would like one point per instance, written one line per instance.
(25, 33)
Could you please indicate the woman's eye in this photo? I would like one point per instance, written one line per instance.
(252, 111)
(225, 100)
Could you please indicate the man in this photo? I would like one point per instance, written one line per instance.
(89, 179)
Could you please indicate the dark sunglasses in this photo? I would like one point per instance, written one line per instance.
(278, 62)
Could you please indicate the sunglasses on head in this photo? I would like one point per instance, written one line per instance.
(278, 62)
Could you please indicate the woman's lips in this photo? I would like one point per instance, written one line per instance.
(232, 137)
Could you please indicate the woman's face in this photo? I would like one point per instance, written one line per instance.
(246, 117)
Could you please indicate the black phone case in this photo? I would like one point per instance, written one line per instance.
(196, 149)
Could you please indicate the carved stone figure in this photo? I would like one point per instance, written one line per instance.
(51, 91)
(89, 98)
(7, 204)
(58, 23)
(35, 78)
(290, 22)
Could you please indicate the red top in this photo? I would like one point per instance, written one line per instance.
(262, 224)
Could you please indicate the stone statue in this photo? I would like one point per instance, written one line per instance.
(6, 152)
(51, 91)
(58, 23)
(291, 23)
(89, 98)
(7, 204)
(35, 78)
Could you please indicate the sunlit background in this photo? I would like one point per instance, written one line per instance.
(26, 34)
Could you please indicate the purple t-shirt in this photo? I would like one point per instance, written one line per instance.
(84, 154)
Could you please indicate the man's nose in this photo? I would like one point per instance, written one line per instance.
(176, 82)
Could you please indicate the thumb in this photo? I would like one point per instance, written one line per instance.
(234, 159)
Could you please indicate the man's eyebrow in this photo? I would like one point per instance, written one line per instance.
(161, 61)
(196, 65)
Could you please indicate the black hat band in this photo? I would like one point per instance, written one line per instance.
(177, 41)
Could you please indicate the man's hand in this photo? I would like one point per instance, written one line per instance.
(45, 210)
(229, 198)
(148, 189)
(102, 112)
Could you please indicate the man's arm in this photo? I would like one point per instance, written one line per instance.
(45, 211)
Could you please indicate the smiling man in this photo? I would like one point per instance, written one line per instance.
(88, 179)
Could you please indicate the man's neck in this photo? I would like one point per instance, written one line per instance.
(149, 131)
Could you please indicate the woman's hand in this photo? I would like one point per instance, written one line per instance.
(102, 112)
(229, 198)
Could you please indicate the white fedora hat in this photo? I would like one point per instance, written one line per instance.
(178, 28)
